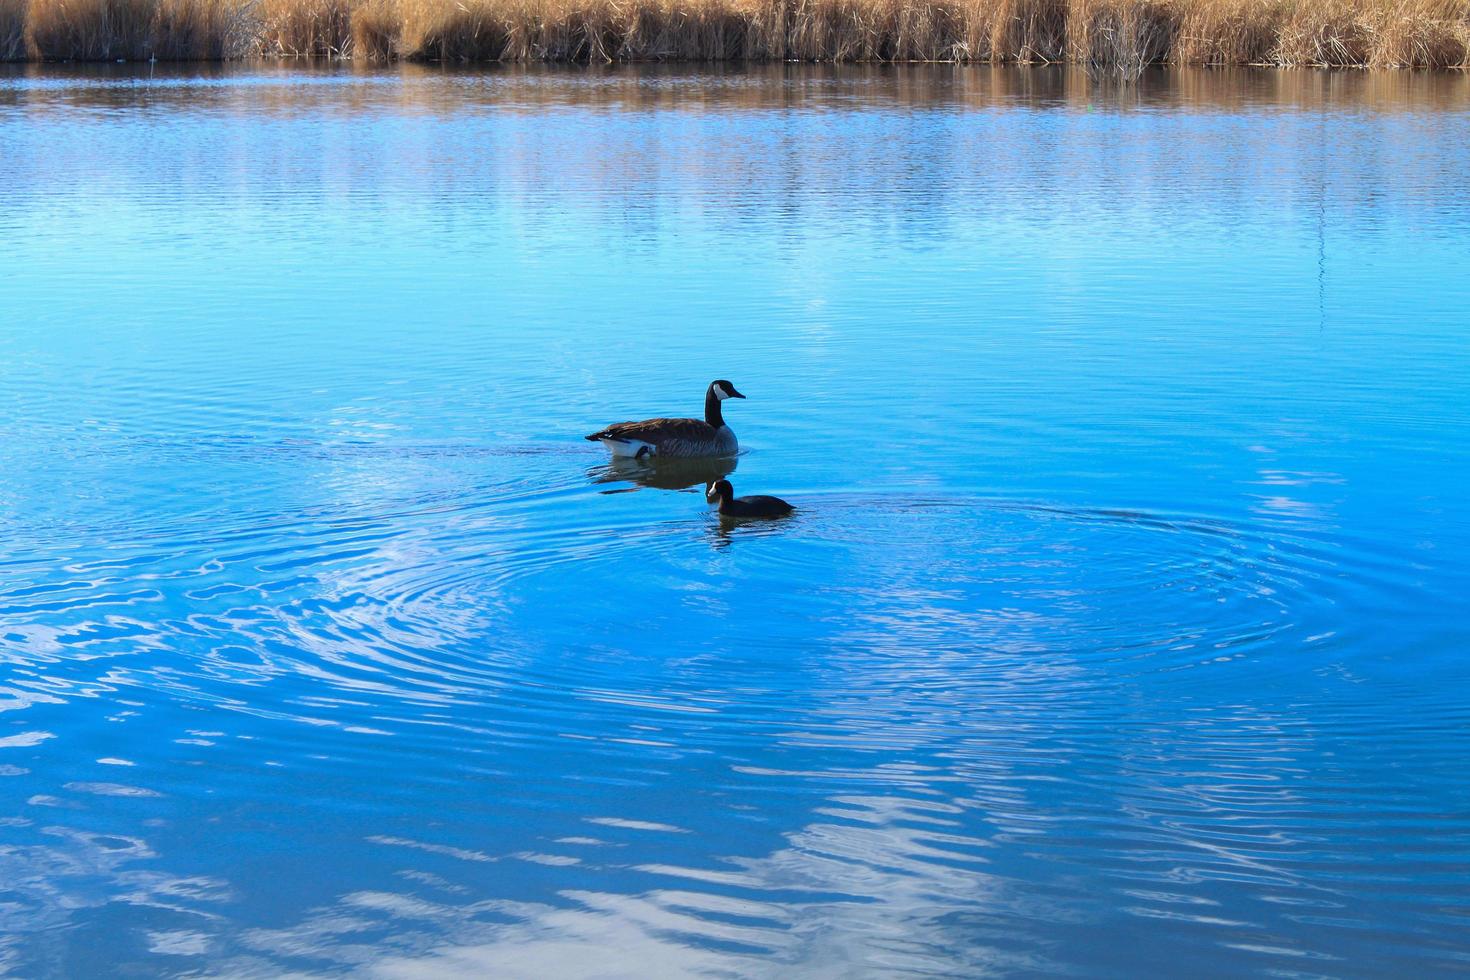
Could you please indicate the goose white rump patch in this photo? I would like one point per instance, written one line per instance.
(631, 447)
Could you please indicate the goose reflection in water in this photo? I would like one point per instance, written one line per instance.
(661, 474)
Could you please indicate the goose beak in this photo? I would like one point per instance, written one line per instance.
(735, 394)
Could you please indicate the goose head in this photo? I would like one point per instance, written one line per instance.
(723, 389)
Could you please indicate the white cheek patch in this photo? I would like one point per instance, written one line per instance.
(721, 393)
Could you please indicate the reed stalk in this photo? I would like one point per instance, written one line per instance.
(92, 30)
(13, 29)
(203, 30)
(306, 28)
(377, 30)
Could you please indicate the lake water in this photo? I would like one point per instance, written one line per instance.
(1121, 630)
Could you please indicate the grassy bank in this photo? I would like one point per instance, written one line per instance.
(1116, 33)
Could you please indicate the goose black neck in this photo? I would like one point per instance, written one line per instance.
(712, 408)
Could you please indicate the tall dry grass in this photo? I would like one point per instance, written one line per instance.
(377, 30)
(310, 28)
(1126, 35)
(1323, 33)
(93, 30)
(204, 30)
(136, 30)
(1422, 34)
(1227, 32)
(13, 29)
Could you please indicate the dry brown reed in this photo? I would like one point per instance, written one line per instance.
(1422, 34)
(12, 29)
(306, 28)
(203, 30)
(694, 30)
(135, 30)
(93, 30)
(377, 30)
(1323, 33)
(1126, 35)
(1028, 31)
(1228, 32)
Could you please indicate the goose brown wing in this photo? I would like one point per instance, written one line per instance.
(658, 430)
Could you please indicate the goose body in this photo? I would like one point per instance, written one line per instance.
(676, 437)
(722, 493)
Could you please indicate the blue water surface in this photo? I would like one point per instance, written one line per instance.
(1121, 629)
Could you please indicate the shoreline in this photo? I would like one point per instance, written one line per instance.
(1121, 35)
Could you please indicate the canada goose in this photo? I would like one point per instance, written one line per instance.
(676, 437)
(720, 492)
